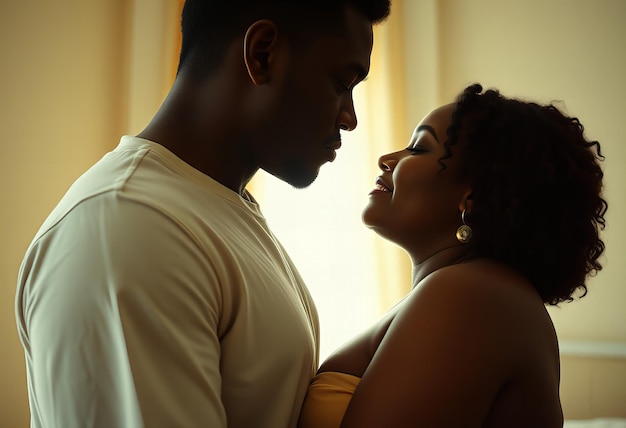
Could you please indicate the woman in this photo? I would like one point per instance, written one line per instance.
(498, 204)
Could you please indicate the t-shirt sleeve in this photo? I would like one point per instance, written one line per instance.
(119, 309)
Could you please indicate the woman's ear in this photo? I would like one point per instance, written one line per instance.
(258, 47)
(466, 202)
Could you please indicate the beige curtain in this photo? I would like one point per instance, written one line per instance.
(387, 128)
(154, 46)
(404, 86)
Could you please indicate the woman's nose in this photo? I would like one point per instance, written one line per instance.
(387, 162)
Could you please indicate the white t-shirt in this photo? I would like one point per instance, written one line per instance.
(154, 296)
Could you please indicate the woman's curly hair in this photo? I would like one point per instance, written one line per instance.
(536, 189)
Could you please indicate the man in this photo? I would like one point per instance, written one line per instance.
(155, 294)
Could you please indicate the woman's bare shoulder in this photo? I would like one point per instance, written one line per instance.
(483, 299)
(479, 281)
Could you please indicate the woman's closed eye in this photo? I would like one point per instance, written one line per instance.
(415, 149)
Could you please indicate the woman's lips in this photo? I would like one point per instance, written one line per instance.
(381, 187)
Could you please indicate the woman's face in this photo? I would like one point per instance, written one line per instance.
(416, 203)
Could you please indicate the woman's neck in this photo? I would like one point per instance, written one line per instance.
(443, 257)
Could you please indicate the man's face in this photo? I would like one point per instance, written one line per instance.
(312, 101)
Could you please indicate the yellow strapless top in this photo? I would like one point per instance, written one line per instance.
(327, 400)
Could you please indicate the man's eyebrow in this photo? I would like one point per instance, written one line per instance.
(429, 129)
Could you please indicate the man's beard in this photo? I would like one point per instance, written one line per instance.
(296, 174)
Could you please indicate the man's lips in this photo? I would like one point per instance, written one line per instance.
(334, 145)
(332, 148)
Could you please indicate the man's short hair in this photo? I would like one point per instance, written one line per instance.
(208, 26)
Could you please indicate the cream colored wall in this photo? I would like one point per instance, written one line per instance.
(570, 50)
(73, 78)
(593, 387)
(58, 114)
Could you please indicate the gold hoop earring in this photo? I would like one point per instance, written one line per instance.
(464, 232)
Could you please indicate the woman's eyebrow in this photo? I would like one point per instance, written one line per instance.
(429, 129)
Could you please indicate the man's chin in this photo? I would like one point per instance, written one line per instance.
(301, 181)
(299, 178)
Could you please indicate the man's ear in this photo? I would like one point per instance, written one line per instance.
(258, 44)
(466, 202)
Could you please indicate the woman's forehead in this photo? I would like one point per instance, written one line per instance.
(439, 119)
